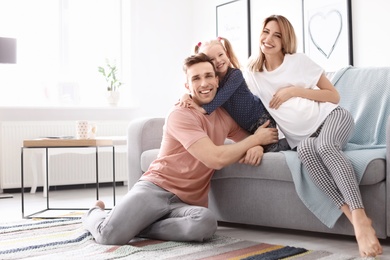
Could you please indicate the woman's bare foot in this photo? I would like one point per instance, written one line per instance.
(365, 234)
(100, 204)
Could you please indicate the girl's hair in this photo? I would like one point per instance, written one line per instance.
(226, 45)
(289, 41)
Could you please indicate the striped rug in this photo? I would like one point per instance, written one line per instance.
(66, 239)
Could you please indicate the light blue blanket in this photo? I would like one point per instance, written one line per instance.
(365, 92)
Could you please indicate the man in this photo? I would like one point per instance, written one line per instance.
(170, 200)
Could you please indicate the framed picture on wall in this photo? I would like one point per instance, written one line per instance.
(233, 23)
(328, 33)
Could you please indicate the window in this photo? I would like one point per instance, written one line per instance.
(60, 44)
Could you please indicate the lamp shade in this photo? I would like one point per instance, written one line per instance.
(7, 50)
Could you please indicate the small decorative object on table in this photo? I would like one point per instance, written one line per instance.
(109, 72)
(85, 129)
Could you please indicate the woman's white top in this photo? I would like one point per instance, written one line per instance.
(297, 118)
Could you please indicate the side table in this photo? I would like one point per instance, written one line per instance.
(48, 143)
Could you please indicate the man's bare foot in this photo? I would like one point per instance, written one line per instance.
(100, 204)
(365, 235)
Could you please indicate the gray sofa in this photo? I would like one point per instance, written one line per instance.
(265, 195)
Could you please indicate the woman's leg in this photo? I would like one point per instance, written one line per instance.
(144, 204)
(183, 223)
(318, 172)
(323, 157)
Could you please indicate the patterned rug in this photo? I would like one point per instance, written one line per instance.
(66, 239)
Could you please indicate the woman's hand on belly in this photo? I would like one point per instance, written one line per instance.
(282, 95)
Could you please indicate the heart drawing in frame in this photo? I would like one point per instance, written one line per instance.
(325, 30)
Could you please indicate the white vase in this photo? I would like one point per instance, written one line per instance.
(113, 98)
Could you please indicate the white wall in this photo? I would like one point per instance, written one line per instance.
(165, 31)
(371, 38)
(160, 41)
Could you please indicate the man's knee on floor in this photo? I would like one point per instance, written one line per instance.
(112, 239)
(204, 225)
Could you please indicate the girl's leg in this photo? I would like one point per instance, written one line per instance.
(183, 223)
(281, 145)
(144, 204)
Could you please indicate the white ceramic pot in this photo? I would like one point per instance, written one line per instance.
(113, 98)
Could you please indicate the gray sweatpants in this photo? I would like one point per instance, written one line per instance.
(151, 212)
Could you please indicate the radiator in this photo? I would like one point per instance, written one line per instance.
(66, 165)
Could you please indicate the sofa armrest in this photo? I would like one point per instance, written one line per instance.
(143, 134)
(388, 175)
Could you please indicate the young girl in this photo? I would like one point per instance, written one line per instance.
(233, 93)
(304, 104)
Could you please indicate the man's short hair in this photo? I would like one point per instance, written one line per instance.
(195, 59)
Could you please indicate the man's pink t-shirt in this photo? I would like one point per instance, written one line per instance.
(175, 169)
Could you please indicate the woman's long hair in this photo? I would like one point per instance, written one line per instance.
(289, 41)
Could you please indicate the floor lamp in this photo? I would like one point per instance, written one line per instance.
(7, 55)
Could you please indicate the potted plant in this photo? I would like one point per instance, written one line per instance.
(110, 74)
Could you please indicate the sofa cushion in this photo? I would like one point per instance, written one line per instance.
(273, 167)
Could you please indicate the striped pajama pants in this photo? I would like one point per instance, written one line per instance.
(326, 163)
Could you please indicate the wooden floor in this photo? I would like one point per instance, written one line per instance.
(85, 197)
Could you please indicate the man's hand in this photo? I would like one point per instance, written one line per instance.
(253, 156)
(266, 135)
